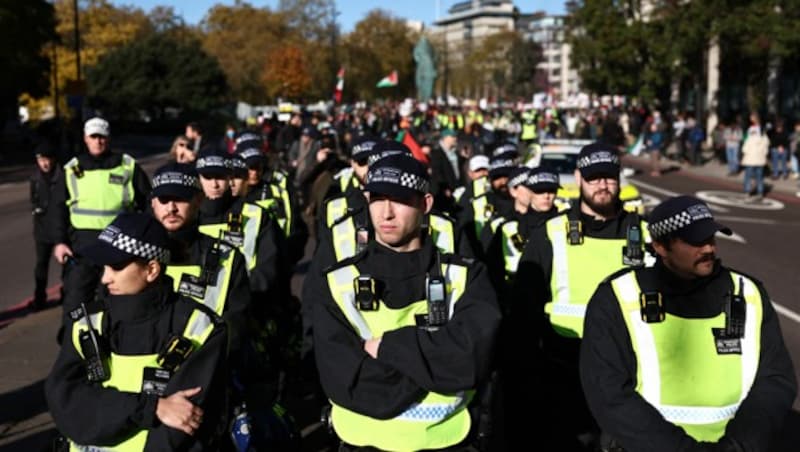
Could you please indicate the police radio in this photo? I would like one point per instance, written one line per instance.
(736, 313)
(438, 311)
(95, 355)
(364, 287)
(575, 232)
(211, 262)
(362, 238)
(632, 253)
(235, 222)
(175, 353)
(518, 241)
(651, 307)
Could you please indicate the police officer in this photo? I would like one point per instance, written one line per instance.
(561, 264)
(238, 176)
(478, 184)
(351, 180)
(207, 270)
(688, 354)
(45, 181)
(403, 333)
(98, 186)
(141, 368)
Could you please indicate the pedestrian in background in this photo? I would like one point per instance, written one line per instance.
(45, 181)
(732, 135)
(654, 142)
(754, 157)
(181, 151)
(779, 150)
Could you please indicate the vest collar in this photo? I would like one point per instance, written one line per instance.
(385, 262)
(213, 210)
(130, 308)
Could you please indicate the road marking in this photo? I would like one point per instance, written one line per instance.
(791, 315)
(665, 192)
(738, 199)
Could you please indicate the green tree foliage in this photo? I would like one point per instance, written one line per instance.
(156, 73)
(240, 37)
(524, 56)
(379, 44)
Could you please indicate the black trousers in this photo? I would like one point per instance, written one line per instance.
(43, 252)
(81, 279)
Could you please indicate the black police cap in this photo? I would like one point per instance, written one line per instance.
(684, 217)
(177, 180)
(400, 176)
(130, 236)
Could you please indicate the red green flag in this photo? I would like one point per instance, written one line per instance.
(406, 138)
(388, 81)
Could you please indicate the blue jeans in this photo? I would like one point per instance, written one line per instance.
(732, 157)
(756, 172)
(779, 162)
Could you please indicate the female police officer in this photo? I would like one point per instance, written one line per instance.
(143, 368)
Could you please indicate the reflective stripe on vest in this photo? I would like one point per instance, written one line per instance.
(511, 254)
(93, 201)
(251, 228)
(278, 178)
(127, 371)
(480, 208)
(439, 420)
(336, 208)
(344, 239)
(664, 364)
(441, 230)
(216, 295)
(458, 193)
(576, 272)
(480, 186)
(270, 204)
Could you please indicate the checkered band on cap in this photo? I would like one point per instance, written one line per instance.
(133, 246)
(505, 149)
(598, 157)
(501, 163)
(176, 178)
(250, 153)
(543, 178)
(396, 176)
(679, 220)
(519, 179)
(247, 137)
(211, 161)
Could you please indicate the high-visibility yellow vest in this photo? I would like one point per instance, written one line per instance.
(576, 272)
(127, 371)
(97, 196)
(215, 294)
(482, 212)
(347, 179)
(279, 178)
(512, 250)
(441, 231)
(247, 241)
(528, 126)
(280, 207)
(435, 422)
(678, 369)
(335, 209)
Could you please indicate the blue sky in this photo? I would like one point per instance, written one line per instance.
(351, 11)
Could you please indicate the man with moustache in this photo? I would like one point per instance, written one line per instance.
(688, 354)
(561, 265)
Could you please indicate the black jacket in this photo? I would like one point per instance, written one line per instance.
(44, 188)
(608, 367)
(411, 361)
(63, 229)
(140, 324)
(443, 177)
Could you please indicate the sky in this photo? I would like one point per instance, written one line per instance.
(351, 11)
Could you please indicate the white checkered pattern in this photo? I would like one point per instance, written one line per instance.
(134, 247)
(176, 178)
(396, 176)
(514, 181)
(364, 146)
(413, 182)
(671, 224)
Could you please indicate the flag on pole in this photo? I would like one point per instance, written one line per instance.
(407, 138)
(388, 81)
(337, 92)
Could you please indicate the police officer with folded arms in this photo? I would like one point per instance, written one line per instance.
(561, 265)
(403, 333)
(98, 185)
(142, 368)
(686, 355)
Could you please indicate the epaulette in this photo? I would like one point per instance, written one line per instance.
(216, 319)
(457, 259)
(349, 214)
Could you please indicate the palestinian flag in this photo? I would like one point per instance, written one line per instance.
(337, 92)
(406, 138)
(388, 81)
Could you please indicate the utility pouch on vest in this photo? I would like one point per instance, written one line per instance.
(77, 171)
(437, 304)
(235, 222)
(488, 211)
(575, 232)
(632, 253)
(362, 238)
(211, 263)
(175, 353)
(518, 241)
(652, 307)
(95, 354)
(364, 287)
